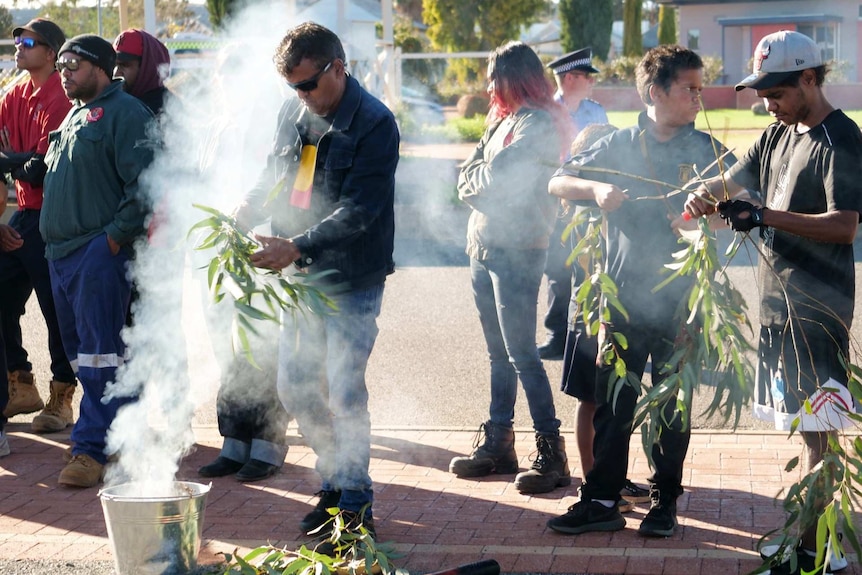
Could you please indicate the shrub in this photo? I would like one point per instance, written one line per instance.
(759, 109)
(618, 71)
(471, 105)
(621, 71)
(456, 130)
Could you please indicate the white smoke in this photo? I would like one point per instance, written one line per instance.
(216, 135)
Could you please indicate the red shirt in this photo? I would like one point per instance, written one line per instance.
(30, 116)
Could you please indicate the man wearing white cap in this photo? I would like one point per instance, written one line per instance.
(805, 166)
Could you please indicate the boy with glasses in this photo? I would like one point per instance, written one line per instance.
(664, 146)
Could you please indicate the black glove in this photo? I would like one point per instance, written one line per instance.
(741, 215)
(12, 160)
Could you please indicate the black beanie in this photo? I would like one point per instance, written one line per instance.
(95, 49)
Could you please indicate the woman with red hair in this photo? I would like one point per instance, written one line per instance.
(505, 183)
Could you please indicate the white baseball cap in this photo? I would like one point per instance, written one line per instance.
(778, 56)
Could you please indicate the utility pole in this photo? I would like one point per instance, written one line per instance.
(150, 16)
(124, 15)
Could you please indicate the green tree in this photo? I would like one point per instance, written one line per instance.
(586, 23)
(666, 25)
(6, 29)
(410, 8)
(220, 11)
(632, 37)
(476, 25)
(75, 17)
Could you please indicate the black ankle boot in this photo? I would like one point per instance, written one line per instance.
(495, 455)
(550, 469)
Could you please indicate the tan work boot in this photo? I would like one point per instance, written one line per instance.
(57, 415)
(23, 395)
(81, 471)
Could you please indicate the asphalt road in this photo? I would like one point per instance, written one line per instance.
(429, 367)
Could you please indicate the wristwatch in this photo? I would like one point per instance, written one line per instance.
(757, 216)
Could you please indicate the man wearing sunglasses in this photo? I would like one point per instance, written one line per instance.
(28, 112)
(334, 159)
(92, 214)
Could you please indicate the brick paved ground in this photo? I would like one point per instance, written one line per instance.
(434, 519)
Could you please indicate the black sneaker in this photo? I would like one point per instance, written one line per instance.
(320, 515)
(634, 493)
(586, 516)
(660, 521)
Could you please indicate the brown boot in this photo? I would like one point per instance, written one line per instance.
(57, 415)
(23, 395)
(81, 471)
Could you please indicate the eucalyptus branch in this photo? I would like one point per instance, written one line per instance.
(231, 272)
(349, 549)
(718, 157)
(598, 296)
(714, 332)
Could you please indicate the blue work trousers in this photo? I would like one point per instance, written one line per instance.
(91, 293)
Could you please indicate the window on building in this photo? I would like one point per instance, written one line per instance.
(824, 35)
(694, 39)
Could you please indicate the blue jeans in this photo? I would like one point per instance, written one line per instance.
(506, 291)
(321, 381)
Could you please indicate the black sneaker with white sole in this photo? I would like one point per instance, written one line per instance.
(660, 521)
(634, 493)
(778, 557)
(585, 516)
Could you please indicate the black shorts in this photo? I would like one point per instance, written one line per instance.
(579, 364)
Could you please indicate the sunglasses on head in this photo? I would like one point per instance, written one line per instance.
(71, 65)
(28, 42)
(311, 84)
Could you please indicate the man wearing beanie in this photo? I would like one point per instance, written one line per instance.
(143, 63)
(91, 215)
(28, 112)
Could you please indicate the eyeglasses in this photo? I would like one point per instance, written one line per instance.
(28, 42)
(70, 65)
(310, 85)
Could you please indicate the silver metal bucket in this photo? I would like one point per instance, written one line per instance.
(155, 535)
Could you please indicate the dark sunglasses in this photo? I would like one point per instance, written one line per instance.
(28, 42)
(70, 65)
(310, 85)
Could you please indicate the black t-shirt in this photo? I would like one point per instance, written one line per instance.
(810, 173)
(640, 240)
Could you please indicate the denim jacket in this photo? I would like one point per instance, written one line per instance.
(349, 226)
